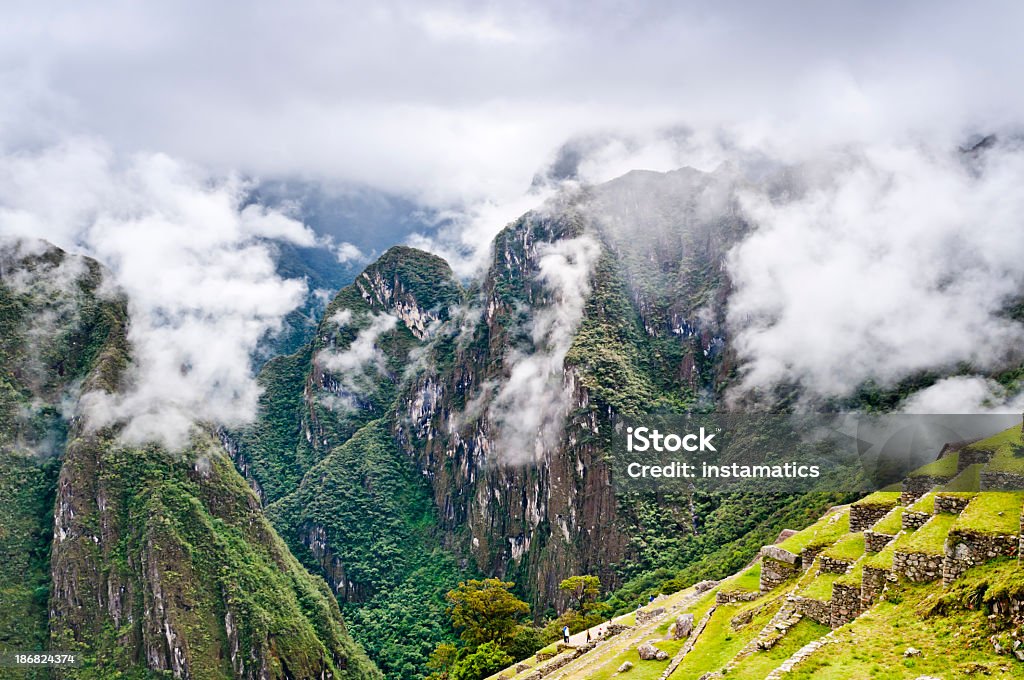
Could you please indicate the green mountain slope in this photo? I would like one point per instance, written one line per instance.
(160, 564)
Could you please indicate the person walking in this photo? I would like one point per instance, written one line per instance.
(565, 634)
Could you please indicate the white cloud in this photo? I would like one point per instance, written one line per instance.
(964, 394)
(201, 285)
(529, 408)
(354, 364)
(347, 252)
(889, 261)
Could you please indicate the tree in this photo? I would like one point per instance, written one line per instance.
(487, 660)
(584, 590)
(486, 611)
(441, 660)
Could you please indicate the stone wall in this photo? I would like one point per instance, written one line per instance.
(875, 542)
(1001, 481)
(918, 486)
(864, 516)
(730, 596)
(645, 615)
(846, 604)
(872, 584)
(914, 520)
(970, 457)
(917, 566)
(777, 567)
(808, 554)
(816, 610)
(953, 505)
(965, 550)
(833, 566)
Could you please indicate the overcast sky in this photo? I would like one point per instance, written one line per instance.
(453, 102)
(129, 131)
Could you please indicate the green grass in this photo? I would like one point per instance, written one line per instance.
(930, 538)
(749, 580)
(882, 559)
(701, 606)
(884, 498)
(854, 577)
(943, 467)
(823, 532)
(991, 512)
(967, 481)
(891, 523)
(850, 547)
(760, 664)
(821, 587)
(646, 670)
(953, 646)
(1008, 453)
(925, 504)
(719, 643)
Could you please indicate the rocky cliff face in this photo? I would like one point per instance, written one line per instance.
(647, 329)
(158, 561)
(498, 398)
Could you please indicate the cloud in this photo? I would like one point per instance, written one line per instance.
(351, 365)
(529, 408)
(347, 252)
(888, 261)
(199, 277)
(965, 394)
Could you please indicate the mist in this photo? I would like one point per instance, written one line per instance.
(131, 133)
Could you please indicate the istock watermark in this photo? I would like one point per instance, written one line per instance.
(788, 453)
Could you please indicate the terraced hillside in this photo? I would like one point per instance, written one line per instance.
(924, 581)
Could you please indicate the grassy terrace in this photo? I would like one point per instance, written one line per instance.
(1008, 455)
(760, 664)
(925, 504)
(854, 577)
(969, 480)
(929, 539)
(849, 548)
(991, 512)
(943, 467)
(891, 523)
(881, 560)
(821, 587)
(883, 498)
(872, 646)
(823, 532)
(719, 642)
(749, 580)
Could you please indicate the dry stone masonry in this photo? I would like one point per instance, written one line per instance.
(833, 565)
(875, 542)
(777, 567)
(967, 549)
(916, 566)
(914, 520)
(915, 487)
(872, 584)
(846, 604)
(863, 516)
(816, 610)
(953, 505)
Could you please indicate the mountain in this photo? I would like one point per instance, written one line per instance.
(404, 436)
(365, 220)
(918, 582)
(425, 431)
(140, 560)
(436, 430)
